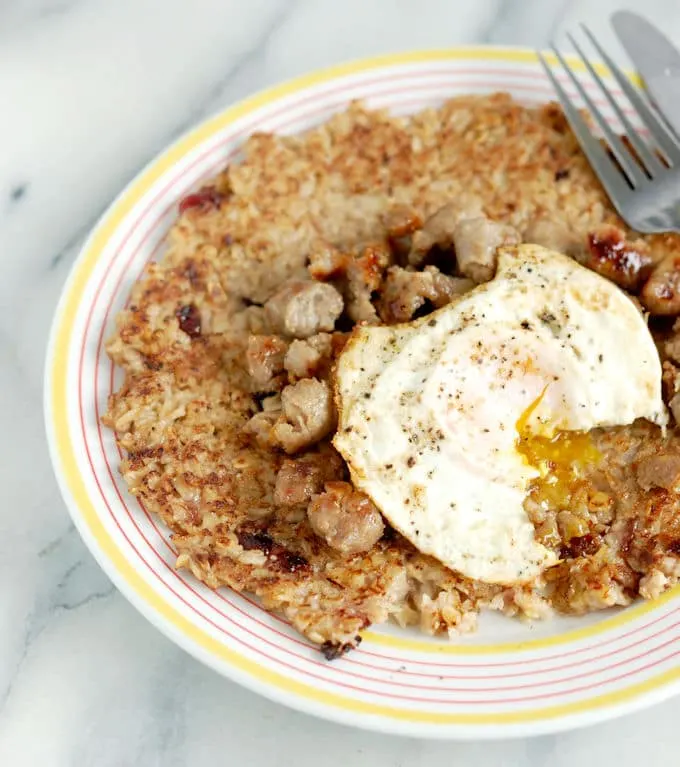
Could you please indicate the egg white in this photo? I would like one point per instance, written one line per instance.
(428, 411)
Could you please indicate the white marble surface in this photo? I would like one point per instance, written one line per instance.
(89, 91)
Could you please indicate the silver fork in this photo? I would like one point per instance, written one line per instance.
(643, 184)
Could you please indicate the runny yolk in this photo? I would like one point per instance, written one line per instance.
(561, 459)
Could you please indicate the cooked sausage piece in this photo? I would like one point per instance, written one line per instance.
(326, 262)
(476, 241)
(670, 380)
(439, 228)
(358, 274)
(345, 518)
(628, 264)
(310, 357)
(301, 478)
(445, 288)
(674, 405)
(308, 415)
(661, 293)
(659, 471)
(301, 308)
(364, 275)
(404, 292)
(401, 222)
(260, 426)
(604, 249)
(264, 359)
(671, 346)
(555, 236)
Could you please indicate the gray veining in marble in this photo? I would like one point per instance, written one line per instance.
(90, 91)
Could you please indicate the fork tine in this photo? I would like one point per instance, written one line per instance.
(627, 162)
(657, 130)
(609, 174)
(648, 158)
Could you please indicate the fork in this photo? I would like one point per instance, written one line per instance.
(642, 180)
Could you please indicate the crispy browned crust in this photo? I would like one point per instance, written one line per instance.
(180, 412)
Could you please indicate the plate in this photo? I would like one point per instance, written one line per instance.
(510, 679)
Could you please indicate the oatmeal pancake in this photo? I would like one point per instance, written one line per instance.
(228, 344)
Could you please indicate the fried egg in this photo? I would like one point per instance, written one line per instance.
(432, 413)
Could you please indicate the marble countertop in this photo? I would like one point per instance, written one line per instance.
(90, 91)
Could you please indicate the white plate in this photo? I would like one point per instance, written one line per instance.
(509, 679)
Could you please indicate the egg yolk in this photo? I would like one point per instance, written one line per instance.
(561, 460)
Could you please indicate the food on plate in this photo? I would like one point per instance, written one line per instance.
(421, 249)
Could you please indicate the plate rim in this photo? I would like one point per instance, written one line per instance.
(181, 630)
